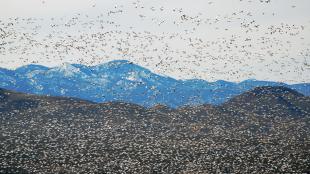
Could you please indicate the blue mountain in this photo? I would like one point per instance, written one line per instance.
(121, 80)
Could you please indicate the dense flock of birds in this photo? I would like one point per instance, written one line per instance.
(265, 130)
(185, 45)
(59, 135)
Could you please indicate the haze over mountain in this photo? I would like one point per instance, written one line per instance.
(121, 80)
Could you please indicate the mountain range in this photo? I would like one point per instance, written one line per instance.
(262, 101)
(121, 80)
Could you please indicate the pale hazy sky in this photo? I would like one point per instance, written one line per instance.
(224, 39)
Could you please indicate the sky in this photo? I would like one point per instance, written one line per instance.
(231, 40)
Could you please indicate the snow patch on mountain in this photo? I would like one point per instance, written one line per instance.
(122, 80)
(66, 69)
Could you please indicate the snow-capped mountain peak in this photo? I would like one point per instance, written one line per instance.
(122, 80)
(66, 68)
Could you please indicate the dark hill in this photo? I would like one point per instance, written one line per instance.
(11, 100)
(269, 101)
(265, 130)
